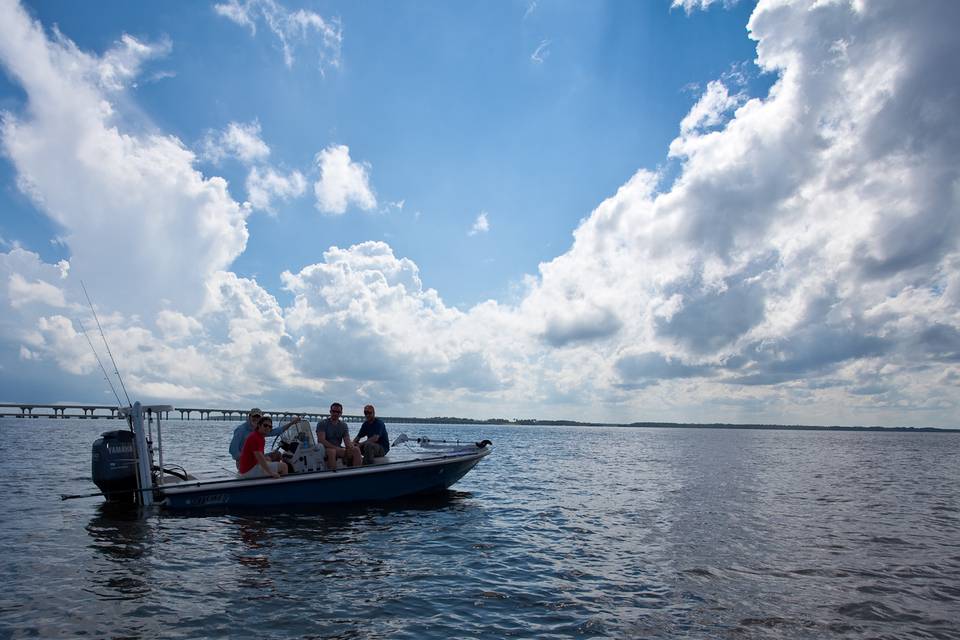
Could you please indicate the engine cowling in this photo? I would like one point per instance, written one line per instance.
(114, 466)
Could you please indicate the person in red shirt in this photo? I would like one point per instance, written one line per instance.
(252, 463)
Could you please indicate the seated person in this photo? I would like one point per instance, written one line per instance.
(333, 434)
(247, 427)
(377, 443)
(252, 463)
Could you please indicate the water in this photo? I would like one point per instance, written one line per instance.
(562, 532)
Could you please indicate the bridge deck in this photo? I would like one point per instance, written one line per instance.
(106, 412)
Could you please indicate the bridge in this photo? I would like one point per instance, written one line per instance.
(107, 412)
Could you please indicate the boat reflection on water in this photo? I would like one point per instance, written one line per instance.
(121, 538)
(332, 541)
(252, 554)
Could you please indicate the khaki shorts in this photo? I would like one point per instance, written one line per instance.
(258, 472)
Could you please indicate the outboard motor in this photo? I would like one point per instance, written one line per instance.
(114, 466)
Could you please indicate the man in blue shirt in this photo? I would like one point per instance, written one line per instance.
(377, 443)
(246, 427)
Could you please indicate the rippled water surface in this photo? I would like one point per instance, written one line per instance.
(561, 532)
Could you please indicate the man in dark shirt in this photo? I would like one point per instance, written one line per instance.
(333, 435)
(377, 443)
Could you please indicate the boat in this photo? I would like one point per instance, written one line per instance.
(124, 469)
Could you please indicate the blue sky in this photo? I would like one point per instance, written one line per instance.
(704, 212)
(447, 105)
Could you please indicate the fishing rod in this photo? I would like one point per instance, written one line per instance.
(116, 370)
(95, 355)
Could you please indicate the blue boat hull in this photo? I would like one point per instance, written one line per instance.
(363, 484)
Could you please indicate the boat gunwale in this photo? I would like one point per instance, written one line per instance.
(190, 486)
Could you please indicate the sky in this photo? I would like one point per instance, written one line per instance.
(686, 211)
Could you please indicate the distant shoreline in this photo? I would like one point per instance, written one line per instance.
(677, 425)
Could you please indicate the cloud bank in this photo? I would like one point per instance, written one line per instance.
(803, 265)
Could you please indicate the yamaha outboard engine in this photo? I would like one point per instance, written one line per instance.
(114, 467)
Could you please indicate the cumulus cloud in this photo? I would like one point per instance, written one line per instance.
(216, 355)
(363, 317)
(342, 182)
(148, 233)
(804, 263)
(135, 192)
(239, 140)
(574, 324)
(29, 288)
(639, 370)
(263, 186)
(23, 292)
(264, 183)
(177, 326)
(325, 36)
(811, 233)
(480, 225)
(711, 109)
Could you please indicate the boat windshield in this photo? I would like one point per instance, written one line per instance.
(301, 432)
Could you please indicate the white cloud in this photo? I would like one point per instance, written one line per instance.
(176, 326)
(64, 344)
(796, 224)
(392, 206)
(122, 197)
(711, 109)
(541, 53)
(480, 225)
(289, 27)
(123, 63)
(264, 186)
(689, 6)
(804, 266)
(216, 355)
(22, 292)
(342, 182)
(239, 140)
(363, 316)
